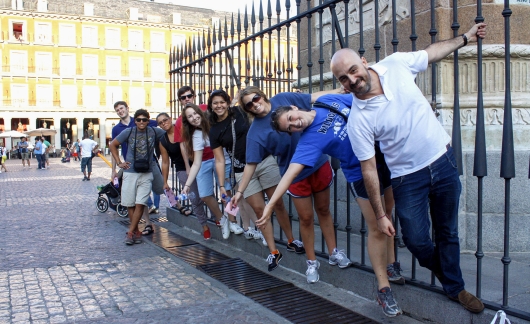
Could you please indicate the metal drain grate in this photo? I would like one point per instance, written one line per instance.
(300, 306)
(159, 219)
(165, 239)
(240, 276)
(197, 254)
(283, 298)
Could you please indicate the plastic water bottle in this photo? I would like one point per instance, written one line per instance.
(226, 198)
(100, 187)
(116, 182)
(183, 197)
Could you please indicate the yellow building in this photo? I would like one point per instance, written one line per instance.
(66, 71)
(65, 63)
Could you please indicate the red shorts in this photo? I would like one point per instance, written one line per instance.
(319, 181)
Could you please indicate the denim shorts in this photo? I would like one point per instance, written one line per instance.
(206, 175)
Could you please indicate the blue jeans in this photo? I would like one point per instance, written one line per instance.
(40, 161)
(157, 201)
(435, 188)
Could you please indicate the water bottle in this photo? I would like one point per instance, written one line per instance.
(183, 197)
(226, 198)
(100, 187)
(116, 182)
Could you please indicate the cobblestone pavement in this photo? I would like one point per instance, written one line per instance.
(63, 261)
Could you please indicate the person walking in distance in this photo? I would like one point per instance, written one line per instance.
(24, 151)
(87, 147)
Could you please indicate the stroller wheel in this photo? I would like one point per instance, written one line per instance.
(122, 211)
(102, 204)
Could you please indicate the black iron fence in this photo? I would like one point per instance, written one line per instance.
(274, 50)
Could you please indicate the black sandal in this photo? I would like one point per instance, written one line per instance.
(183, 210)
(148, 230)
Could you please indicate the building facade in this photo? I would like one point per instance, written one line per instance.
(65, 63)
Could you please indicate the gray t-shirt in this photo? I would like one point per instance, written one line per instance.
(140, 145)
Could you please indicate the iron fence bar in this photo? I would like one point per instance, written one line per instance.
(413, 37)
(261, 19)
(289, 56)
(336, 24)
(456, 141)
(507, 153)
(253, 23)
(298, 35)
(433, 32)
(480, 165)
(320, 88)
(309, 46)
(346, 18)
(278, 40)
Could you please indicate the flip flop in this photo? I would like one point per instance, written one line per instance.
(184, 210)
(148, 229)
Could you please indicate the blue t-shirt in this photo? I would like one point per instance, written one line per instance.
(120, 127)
(263, 141)
(327, 134)
(38, 148)
(23, 146)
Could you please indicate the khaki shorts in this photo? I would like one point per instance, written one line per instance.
(25, 156)
(267, 175)
(136, 188)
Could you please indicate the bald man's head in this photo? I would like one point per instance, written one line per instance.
(351, 71)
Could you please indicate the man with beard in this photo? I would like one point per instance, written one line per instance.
(388, 107)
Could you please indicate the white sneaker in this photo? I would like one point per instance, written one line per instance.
(225, 227)
(263, 241)
(235, 228)
(251, 234)
(312, 271)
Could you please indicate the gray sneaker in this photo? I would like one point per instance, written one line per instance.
(312, 271)
(340, 258)
(387, 301)
(394, 273)
(129, 240)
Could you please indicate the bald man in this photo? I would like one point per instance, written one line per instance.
(388, 107)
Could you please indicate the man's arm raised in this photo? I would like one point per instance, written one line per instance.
(439, 50)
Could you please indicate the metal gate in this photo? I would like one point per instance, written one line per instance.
(276, 49)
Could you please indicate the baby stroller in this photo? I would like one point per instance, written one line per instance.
(109, 195)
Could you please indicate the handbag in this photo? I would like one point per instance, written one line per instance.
(141, 165)
(502, 318)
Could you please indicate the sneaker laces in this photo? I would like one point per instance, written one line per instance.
(270, 258)
(311, 267)
(339, 254)
(389, 297)
(396, 266)
(298, 243)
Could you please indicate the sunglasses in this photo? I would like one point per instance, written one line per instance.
(251, 103)
(163, 121)
(189, 96)
(142, 120)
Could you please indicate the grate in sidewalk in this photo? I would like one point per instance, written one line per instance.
(240, 276)
(283, 298)
(197, 254)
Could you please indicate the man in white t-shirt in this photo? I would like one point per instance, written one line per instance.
(87, 147)
(388, 107)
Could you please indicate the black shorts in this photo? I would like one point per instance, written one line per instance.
(358, 189)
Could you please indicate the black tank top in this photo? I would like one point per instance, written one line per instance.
(173, 149)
